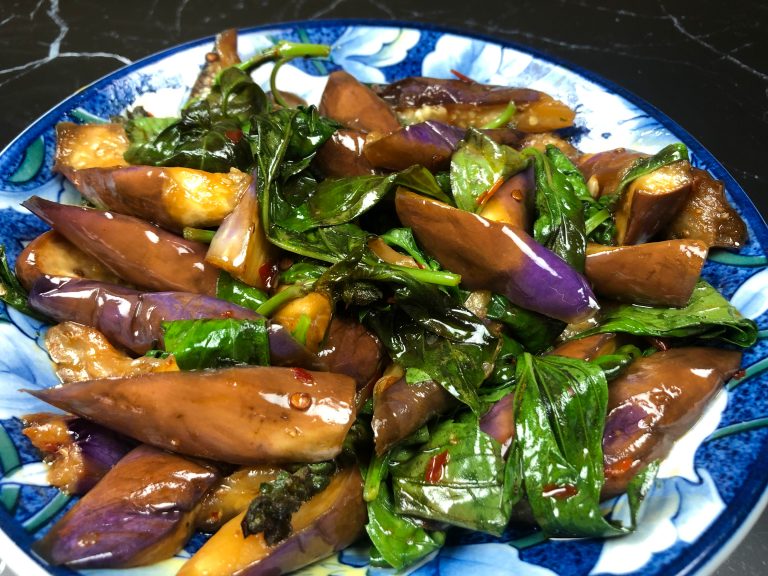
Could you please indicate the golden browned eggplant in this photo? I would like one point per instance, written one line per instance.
(708, 216)
(654, 403)
(81, 146)
(654, 274)
(513, 202)
(355, 105)
(587, 348)
(241, 415)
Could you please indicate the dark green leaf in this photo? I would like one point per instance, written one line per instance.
(302, 272)
(559, 420)
(477, 165)
(456, 477)
(642, 166)
(233, 290)
(403, 238)
(198, 344)
(708, 315)
(533, 330)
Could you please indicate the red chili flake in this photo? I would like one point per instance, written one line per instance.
(234, 135)
(302, 376)
(559, 492)
(462, 77)
(268, 274)
(436, 467)
(485, 196)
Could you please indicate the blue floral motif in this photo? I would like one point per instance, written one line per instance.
(362, 50)
(751, 298)
(492, 559)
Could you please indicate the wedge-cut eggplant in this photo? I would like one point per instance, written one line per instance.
(654, 274)
(499, 421)
(604, 171)
(81, 352)
(544, 139)
(650, 202)
(240, 245)
(512, 203)
(400, 409)
(330, 521)
(81, 146)
(139, 513)
(50, 254)
(708, 216)
(241, 415)
(654, 403)
(78, 452)
(497, 257)
(223, 55)
(139, 253)
(232, 495)
(308, 317)
(430, 144)
(169, 197)
(355, 105)
(463, 103)
(587, 348)
(342, 155)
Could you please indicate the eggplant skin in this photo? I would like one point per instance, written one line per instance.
(654, 403)
(653, 274)
(355, 105)
(241, 415)
(330, 521)
(141, 512)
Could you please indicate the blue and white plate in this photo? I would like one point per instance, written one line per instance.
(709, 491)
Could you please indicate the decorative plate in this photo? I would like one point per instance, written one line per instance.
(709, 491)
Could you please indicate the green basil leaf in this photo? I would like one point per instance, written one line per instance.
(456, 477)
(642, 166)
(198, 344)
(477, 165)
(708, 315)
(233, 290)
(533, 330)
(403, 238)
(559, 420)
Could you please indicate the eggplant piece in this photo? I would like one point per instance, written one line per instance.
(139, 253)
(513, 202)
(231, 496)
(330, 521)
(650, 202)
(402, 408)
(83, 353)
(605, 170)
(708, 216)
(654, 403)
(78, 452)
(544, 139)
(355, 105)
(241, 415)
(342, 155)
(497, 257)
(81, 146)
(50, 254)
(587, 348)
(169, 197)
(139, 513)
(223, 55)
(314, 308)
(465, 104)
(240, 245)
(654, 274)
(430, 144)
(499, 421)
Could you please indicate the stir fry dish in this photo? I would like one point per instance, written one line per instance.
(413, 309)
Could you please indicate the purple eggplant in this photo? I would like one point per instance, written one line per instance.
(140, 513)
(342, 155)
(78, 452)
(133, 320)
(654, 403)
(498, 257)
(355, 105)
(139, 253)
(499, 421)
(328, 522)
(241, 415)
(430, 144)
(401, 408)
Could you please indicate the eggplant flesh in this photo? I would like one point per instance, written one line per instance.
(604, 171)
(513, 202)
(243, 415)
(81, 146)
(654, 403)
(138, 514)
(653, 274)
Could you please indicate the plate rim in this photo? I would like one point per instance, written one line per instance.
(715, 551)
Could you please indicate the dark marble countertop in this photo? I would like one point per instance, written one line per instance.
(702, 64)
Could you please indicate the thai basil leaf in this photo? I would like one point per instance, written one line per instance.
(560, 222)
(642, 166)
(233, 290)
(477, 165)
(533, 330)
(639, 487)
(419, 179)
(198, 344)
(599, 223)
(142, 132)
(11, 291)
(456, 477)
(559, 420)
(330, 244)
(398, 540)
(613, 365)
(403, 238)
(708, 315)
(302, 272)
